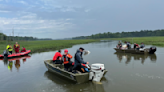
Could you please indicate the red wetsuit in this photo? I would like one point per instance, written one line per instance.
(23, 50)
(16, 48)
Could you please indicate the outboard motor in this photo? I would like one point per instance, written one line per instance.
(97, 71)
(152, 50)
(5, 53)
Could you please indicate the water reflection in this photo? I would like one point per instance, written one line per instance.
(141, 57)
(69, 86)
(9, 62)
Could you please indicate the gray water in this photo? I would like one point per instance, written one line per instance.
(126, 72)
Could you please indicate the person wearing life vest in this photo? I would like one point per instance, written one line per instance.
(9, 48)
(79, 61)
(16, 47)
(23, 49)
(67, 60)
(57, 59)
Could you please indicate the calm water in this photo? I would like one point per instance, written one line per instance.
(126, 72)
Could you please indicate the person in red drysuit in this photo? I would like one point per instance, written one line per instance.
(16, 47)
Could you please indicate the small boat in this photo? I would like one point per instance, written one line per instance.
(78, 77)
(1, 56)
(134, 51)
(16, 54)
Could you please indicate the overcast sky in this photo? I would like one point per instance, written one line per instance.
(69, 18)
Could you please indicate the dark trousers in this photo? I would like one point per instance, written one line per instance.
(58, 61)
(68, 66)
(10, 52)
(79, 67)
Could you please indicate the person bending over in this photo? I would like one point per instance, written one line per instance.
(57, 58)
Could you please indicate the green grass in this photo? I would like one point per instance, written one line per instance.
(41, 46)
(156, 41)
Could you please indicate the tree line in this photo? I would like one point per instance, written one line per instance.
(142, 33)
(12, 38)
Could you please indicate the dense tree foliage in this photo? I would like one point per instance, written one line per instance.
(11, 38)
(142, 33)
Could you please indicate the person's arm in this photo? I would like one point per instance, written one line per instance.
(14, 47)
(78, 57)
(18, 46)
(60, 56)
(7, 48)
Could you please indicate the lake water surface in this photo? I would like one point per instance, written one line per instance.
(126, 72)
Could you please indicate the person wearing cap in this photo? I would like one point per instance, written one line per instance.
(67, 60)
(9, 48)
(142, 45)
(79, 60)
(57, 58)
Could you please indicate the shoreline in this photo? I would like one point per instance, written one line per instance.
(49, 45)
(154, 41)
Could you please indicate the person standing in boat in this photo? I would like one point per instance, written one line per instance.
(9, 48)
(57, 59)
(79, 61)
(142, 45)
(16, 47)
(67, 60)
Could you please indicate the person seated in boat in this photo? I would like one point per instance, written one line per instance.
(57, 59)
(23, 49)
(9, 48)
(67, 61)
(119, 45)
(78, 64)
(136, 46)
(16, 47)
(142, 45)
(128, 45)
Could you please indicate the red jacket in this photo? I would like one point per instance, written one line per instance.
(23, 50)
(56, 56)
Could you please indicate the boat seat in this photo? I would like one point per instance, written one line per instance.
(59, 65)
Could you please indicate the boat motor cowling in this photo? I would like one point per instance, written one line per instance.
(152, 49)
(97, 71)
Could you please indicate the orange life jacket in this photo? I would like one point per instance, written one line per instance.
(66, 58)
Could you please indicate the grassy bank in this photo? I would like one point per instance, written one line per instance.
(156, 41)
(41, 46)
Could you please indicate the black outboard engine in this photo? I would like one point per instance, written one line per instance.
(152, 50)
(5, 53)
